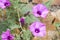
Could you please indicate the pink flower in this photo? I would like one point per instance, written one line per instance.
(38, 29)
(7, 36)
(4, 3)
(40, 10)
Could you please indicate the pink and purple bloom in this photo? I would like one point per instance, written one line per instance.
(38, 29)
(4, 3)
(22, 20)
(40, 10)
(7, 35)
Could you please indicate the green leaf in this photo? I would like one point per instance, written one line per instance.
(48, 4)
(13, 26)
(15, 3)
(0, 37)
(17, 37)
(3, 26)
(57, 24)
(26, 8)
(27, 35)
(29, 19)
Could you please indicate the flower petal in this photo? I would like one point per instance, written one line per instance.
(43, 28)
(2, 5)
(3, 35)
(35, 34)
(44, 13)
(42, 33)
(3, 1)
(5, 39)
(32, 27)
(42, 8)
(40, 26)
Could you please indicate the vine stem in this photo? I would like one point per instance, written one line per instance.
(18, 14)
(58, 30)
(19, 18)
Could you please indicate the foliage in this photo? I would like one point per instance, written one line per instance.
(57, 24)
(26, 35)
(48, 3)
(17, 37)
(13, 26)
(13, 13)
(3, 26)
(31, 18)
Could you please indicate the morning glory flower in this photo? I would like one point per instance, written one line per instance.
(7, 35)
(4, 3)
(38, 29)
(40, 10)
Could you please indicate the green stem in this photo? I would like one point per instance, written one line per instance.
(23, 2)
(58, 30)
(19, 18)
(18, 14)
